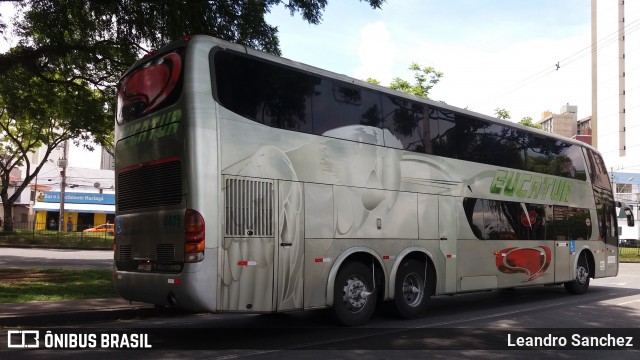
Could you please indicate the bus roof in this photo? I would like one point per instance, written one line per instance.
(213, 41)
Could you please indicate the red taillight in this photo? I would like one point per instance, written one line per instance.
(193, 236)
(193, 226)
(148, 87)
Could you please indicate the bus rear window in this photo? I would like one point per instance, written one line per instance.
(152, 86)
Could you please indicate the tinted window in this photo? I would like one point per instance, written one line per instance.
(489, 220)
(443, 141)
(286, 98)
(510, 152)
(570, 163)
(336, 105)
(570, 224)
(470, 139)
(537, 154)
(266, 93)
(597, 170)
(508, 220)
(406, 121)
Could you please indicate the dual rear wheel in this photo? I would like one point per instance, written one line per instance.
(355, 292)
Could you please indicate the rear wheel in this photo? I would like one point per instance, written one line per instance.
(354, 297)
(580, 284)
(411, 293)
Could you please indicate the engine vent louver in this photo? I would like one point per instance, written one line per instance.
(165, 253)
(150, 186)
(248, 207)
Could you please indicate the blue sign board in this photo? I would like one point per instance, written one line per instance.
(80, 198)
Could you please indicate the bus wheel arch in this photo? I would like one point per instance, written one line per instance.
(584, 271)
(356, 281)
(418, 254)
(412, 284)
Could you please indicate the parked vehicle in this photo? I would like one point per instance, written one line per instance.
(630, 243)
(108, 228)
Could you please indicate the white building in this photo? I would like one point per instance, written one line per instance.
(42, 197)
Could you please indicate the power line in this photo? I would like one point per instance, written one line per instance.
(606, 40)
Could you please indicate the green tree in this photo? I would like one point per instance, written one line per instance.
(502, 113)
(425, 78)
(58, 82)
(66, 41)
(528, 121)
(42, 114)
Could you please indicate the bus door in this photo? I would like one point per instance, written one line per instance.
(568, 227)
(448, 233)
(609, 230)
(290, 246)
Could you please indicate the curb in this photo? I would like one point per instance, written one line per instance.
(72, 317)
(64, 312)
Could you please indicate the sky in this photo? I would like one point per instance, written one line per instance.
(493, 53)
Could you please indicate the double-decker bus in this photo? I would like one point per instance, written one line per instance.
(248, 182)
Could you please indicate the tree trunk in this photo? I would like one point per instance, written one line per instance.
(7, 222)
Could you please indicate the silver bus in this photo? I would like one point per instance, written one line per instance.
(246, 182)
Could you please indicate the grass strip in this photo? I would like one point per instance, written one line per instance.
(26, 285)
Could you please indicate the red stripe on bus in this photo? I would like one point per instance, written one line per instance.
(150, 163)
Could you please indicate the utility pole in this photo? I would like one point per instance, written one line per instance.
(622, 128)
(62, 163)
(594, 74)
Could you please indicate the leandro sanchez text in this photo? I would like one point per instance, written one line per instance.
(575, 340)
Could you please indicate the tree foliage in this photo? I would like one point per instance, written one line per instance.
(79, 43)
(528, 121)
(425, 78)
(58, 81)
(502, 113)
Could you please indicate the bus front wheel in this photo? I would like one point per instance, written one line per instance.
(412, 292)
(354, 296)
(580, 284)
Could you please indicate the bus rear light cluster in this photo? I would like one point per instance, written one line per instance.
(193, 236)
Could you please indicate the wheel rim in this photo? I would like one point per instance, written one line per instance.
(582, 275)
(355, 294)
(412, 290)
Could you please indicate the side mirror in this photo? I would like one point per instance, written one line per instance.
(627, 212)
(629, 215)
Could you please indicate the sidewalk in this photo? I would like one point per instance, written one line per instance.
(41, 313)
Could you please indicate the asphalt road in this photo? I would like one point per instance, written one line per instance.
(471, 326)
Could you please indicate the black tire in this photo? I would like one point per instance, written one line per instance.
(354, 295)
(412, 293)
(580, 284)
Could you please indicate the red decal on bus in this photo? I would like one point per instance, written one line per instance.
(531, 261)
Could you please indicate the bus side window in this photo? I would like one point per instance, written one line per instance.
(267, 93)
(335, 106)
(406, 121)
(443, 140)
